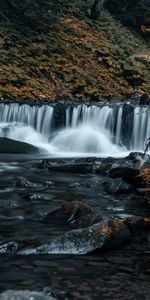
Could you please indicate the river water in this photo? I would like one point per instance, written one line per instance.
(27, 193)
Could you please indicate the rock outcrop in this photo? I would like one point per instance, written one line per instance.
(9, 146)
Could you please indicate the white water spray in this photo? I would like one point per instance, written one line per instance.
(86, 131)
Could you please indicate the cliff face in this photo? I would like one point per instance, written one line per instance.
(52, 50)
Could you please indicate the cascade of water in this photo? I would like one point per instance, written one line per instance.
(109, 119)
(40, 118)
(88, 129)
(141, 128)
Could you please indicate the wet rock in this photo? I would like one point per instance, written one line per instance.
(107, 234)
(43, 164)
(84, 160)
(59, 115)
(36, 197)
(76, 213)
(24, 295)
(137, 224)
(24, 183)
(147, 163)
(117, 186)
(135, 98)
(71, 168)
(135, 158)
(145, 99)
(10, 146)
(128, 174)
(8, 247)
(103, 168)
(127, 124)
(49, 184)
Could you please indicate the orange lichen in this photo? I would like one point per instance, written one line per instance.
(147, 220)
(145, 173)
(107, 231)
(144, 28)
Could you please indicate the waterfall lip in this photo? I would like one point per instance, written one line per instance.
(53, 103)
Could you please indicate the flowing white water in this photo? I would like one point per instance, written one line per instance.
(86, 131)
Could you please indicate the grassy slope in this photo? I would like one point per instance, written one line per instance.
(73, 57)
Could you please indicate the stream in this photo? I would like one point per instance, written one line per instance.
(34, 186)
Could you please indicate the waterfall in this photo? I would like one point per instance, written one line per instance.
(40, 118)
(83, 129)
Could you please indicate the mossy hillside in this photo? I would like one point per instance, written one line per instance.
(71, 56)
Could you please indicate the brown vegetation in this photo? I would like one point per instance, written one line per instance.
(145, 173)
(71, 57)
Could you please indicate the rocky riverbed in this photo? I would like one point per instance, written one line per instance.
(45, 199)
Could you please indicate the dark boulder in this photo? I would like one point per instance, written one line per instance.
(135, 158)
(103, 168)
(107, 234)
(128, 174)
(117, 186)
(9, 146)
(137, 224)
(71, 167)
(66, 166)
(75, 213)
